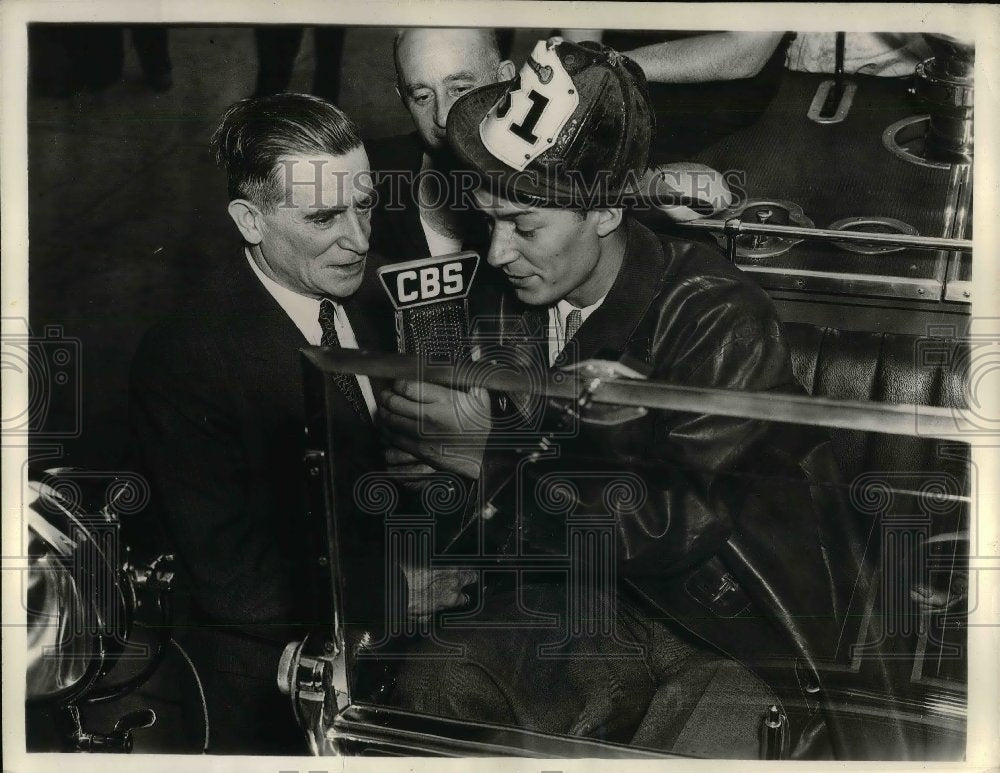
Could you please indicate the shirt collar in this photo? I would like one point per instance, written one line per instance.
(564, 307)
(303, 310)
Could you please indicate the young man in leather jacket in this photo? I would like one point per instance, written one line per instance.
(715, 531)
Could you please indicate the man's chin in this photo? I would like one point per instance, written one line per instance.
(531, 297)
(345, 287)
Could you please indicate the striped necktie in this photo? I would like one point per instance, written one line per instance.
(573, 321)
(346, 382)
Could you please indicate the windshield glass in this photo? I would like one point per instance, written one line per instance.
(610, 576)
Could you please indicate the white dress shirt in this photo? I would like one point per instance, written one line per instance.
(437, 243)
(304, 312)
(557, 324)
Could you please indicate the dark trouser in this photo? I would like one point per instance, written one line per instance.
(96, 53)
(151, 47)
(277, 47)
(643, 686)
(247, 713)
(543, 678)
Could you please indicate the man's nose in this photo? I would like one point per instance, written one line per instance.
(358, 229)
(444, 103)
(501, 253)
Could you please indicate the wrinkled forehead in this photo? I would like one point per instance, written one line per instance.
(321, 181)
(435, 54)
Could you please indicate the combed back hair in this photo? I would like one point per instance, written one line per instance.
(492, 42)
(256, 134)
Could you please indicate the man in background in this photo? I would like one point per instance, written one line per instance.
(414, 216)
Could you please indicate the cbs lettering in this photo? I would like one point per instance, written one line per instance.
(429, 282)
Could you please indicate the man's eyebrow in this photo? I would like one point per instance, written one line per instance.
(513, 214)
(465, 75)
(323, 213)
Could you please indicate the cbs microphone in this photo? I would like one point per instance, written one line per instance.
(431, 300)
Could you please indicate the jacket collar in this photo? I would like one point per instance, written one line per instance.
(256, 318)
(613, 323)
(637, 283)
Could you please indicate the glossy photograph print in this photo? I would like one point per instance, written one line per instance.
(594, 386)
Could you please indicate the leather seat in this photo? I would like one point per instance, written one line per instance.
(885, 368)
(881, 367)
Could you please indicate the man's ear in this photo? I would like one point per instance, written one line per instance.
(400, 95)
(506, 70)
(608, 220)
(248, 219)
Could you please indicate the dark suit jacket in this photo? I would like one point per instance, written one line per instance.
(396, 230)
(217, 422)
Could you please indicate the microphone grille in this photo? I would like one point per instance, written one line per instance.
(437, 331)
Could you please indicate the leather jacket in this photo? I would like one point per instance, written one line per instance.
(728, 526)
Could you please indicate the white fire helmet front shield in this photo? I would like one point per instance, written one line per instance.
(527, 119)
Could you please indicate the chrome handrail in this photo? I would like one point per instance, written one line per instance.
(734, 227)
(891, 418)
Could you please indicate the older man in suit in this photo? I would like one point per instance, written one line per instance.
(423, 205)
(217, 411)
